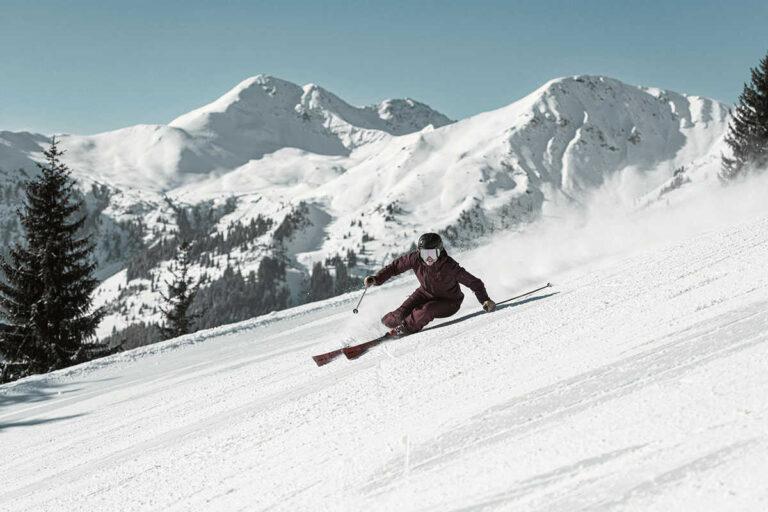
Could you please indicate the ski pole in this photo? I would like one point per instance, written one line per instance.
(361, 300)
(526, 293)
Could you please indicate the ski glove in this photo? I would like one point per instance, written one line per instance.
(369, 281)
(489, 306)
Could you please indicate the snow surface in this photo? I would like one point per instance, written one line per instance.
(637, 383)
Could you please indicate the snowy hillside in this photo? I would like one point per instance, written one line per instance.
(322, 179)
(19, 149)
(637, 383)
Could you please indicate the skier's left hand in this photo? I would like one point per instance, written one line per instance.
(489, 306)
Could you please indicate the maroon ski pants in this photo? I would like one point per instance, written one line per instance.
(419, 309)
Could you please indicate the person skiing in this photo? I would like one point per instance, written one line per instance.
(438, 295)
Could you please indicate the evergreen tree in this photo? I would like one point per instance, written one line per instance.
(48, 283)
(135, 335)
(748, 131)
(270, 280)
(351, 259)
(320, 283)
(181, 293)
(234, 297)
(343, 282)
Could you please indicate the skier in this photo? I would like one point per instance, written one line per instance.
(438, 296)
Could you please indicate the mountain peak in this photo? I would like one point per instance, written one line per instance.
(249, 96)
(264, 114)
(407, 115)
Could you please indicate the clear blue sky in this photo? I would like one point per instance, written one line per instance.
(87, 66)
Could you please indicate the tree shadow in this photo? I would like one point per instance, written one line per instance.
(32, 423)
(499, 308)
(34, 392)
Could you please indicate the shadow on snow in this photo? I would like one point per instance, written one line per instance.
(478, 313)
(32, 423)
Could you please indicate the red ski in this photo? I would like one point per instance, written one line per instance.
(326, 358)
(352, 352)
(356, 351)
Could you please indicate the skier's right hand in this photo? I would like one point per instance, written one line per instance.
(489, 306)
(369, 281)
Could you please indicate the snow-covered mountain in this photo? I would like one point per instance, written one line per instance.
(323, 178)
(18, 149)
(264, 114)
(259, 116)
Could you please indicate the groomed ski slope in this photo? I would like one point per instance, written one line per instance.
(638, 383)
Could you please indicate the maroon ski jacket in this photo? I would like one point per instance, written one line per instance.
(440, 280)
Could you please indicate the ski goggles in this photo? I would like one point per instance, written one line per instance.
(429, 253)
